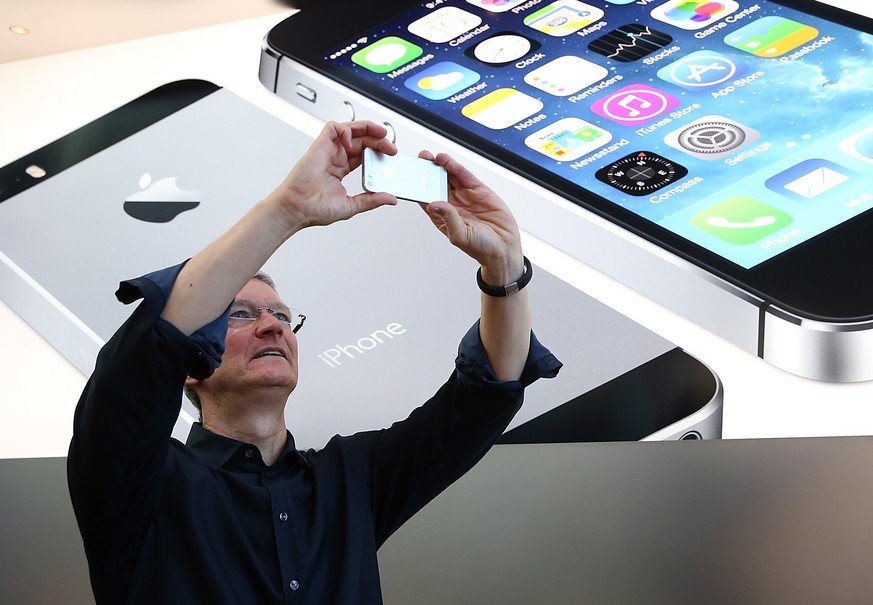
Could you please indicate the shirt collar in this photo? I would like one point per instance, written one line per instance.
(216, 449)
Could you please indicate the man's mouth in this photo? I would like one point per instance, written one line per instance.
(270, 352)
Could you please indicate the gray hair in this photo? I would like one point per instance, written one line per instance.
(190, 393)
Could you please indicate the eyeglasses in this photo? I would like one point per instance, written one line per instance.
(243, 316)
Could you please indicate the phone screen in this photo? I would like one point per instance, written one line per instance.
(406, 177)
(745, 128)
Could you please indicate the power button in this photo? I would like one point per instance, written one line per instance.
(306, 92)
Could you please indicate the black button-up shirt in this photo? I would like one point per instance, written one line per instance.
(209, 522)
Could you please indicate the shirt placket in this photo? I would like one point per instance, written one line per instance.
(285, 531)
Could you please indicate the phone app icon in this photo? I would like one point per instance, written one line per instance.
(741, 220)
(702, 69)
(635, 104)
(444, 24)
(641, 173)
(441, 80)
(630, 42)
(496, 6)
(386, 54)
(859, 145)
(693, 14)
(808, 179)
(501, 108)
(711, 137)
(565, 75)
(563, 17)
(568, 139)
(771, 36)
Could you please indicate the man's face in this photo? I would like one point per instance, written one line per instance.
(261, 355)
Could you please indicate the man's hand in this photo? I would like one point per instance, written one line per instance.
(477, 221)
(313, 193)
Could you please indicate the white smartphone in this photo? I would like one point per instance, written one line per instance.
(406, 177)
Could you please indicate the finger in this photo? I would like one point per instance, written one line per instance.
(464, 177)
(366, 201)
(448, 220)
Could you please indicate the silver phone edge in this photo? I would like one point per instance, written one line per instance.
(830, 352)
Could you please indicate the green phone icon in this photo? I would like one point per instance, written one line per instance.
(741, 220)
(386, 55)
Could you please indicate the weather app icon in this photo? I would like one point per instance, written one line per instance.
(442, 80)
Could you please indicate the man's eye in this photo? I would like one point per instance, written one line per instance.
(241, 314)
(282, 316)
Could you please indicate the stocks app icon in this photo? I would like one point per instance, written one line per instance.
(630, 42)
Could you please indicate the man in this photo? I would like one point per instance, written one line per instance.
(238, 515)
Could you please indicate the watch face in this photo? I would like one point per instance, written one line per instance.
(502, 49)
(641, 173)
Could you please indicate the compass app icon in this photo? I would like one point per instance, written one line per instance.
(702, 70)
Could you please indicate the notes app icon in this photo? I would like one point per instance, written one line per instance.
(635, 104)
(501, 108)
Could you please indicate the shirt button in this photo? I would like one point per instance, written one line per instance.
(294, 585)
(250, 452)
(283, 516)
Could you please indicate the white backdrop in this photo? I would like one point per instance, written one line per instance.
(47, 97)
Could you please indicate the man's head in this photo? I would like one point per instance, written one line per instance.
(259, 364)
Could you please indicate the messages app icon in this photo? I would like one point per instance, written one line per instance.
(741, 220)
(771, 36)
(386, 55)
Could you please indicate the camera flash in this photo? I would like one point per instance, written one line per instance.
(35, 171)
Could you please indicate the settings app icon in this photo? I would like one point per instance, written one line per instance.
(712, 137)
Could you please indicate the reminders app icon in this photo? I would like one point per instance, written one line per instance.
(501, 108)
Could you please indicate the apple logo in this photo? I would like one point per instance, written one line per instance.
(161, 201)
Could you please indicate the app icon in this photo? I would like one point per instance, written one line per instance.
(621, 1)
(702, 69)
(502, 49)
(808, 179)
(496, 6)
(770, 36)
(635, 104)
(693, 14)
(641, 173)
(444, 24)
(630, 42)
(563, 17)
(741, 220)
(859, 145)
(386, 54)
(501, 108)
(568, 139)
(565, 75)
(441, 80)
(711, 137)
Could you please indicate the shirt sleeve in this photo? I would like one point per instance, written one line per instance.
(126, 413)
(474, 368)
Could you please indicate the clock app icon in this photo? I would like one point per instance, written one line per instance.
(502, 49)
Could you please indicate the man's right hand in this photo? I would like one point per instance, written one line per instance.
(313, 193)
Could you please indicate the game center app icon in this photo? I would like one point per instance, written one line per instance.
(635, 104)
(702, 69)
(386, 54)
(568, 139)
(771, 36)
(741, 220)
(693, 14)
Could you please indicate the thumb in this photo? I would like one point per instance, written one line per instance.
(446, 218)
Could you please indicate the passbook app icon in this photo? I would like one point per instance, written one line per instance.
(809, 179)
(771, 36)
(501, 108)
